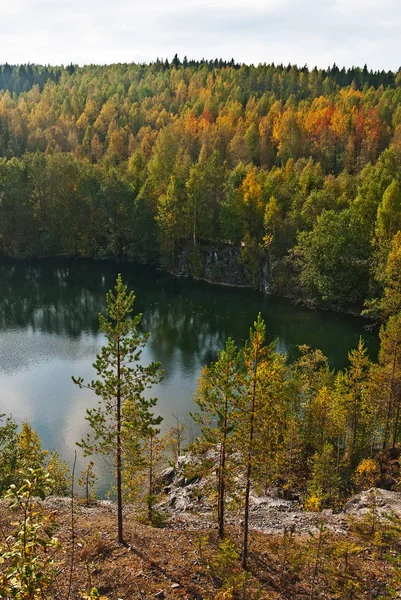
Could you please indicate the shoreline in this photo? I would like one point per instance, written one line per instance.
(305, 303)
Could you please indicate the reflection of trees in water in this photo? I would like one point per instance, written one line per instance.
(65, 297)
(182, 333)
(189, 321)
(52, 298)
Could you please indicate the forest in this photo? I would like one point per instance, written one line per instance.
(300, 171)
(298, 168)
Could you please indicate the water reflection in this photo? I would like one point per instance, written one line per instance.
(49, 320)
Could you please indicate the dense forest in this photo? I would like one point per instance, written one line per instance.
(299, 168)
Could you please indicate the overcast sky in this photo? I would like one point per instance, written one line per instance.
(312, 32)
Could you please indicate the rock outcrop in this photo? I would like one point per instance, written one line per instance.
(187, 503)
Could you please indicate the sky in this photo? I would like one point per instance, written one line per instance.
(312, 32)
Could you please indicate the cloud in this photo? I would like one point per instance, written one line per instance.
(309, 31)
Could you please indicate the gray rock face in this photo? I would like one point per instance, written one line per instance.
(183, 495)
(164, 479)
(189, 502)
(383, 501)
(218, 265)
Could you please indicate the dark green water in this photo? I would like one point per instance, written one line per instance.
(48, 324)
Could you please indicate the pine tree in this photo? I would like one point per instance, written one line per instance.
(144, 454)
(120, 386)
(87, 480)
(249, 407)
(217, 388)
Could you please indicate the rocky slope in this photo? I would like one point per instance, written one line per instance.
(186, 502)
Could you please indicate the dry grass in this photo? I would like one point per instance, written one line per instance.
(181, 563)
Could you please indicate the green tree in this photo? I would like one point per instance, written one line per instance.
(87, 480)
(324, 484)
(153, 452)
(313, 382)
(390, 303)
(143, 454)
(170, 219)
(389, 215)
(251, 259)
(249, 406)
(60, 473)
(120, 386)
(333, 259)
(215, 396)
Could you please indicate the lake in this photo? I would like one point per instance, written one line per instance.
(49, 320)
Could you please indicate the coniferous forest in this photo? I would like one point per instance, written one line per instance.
(299, 168)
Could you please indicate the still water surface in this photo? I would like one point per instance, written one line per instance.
(48, 329)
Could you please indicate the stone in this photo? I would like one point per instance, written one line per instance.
(385, 502)
(165, 477)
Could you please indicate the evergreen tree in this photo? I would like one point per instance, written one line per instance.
(390, 304)
(215, 396)
(249, 407)
(121, 383)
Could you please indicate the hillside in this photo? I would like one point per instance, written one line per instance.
(183, 560)
(296, 170)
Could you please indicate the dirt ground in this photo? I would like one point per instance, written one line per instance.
(182, 559)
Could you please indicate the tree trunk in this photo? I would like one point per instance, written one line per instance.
(150, 498)
(247, 493)
(118, 449)
(397, 420)
(390, 400)
(222, 475)
(249, 468)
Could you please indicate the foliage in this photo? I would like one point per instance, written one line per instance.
(60, 473)
(8, 451)
(27, 567)
(22, 450)
(87, 481)
(366, 473)
(93, 594)
(325, 482)
(227, 570)
(333, 259)
(141, 161)
(311, 433)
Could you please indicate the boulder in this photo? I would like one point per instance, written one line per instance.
(164, 479)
